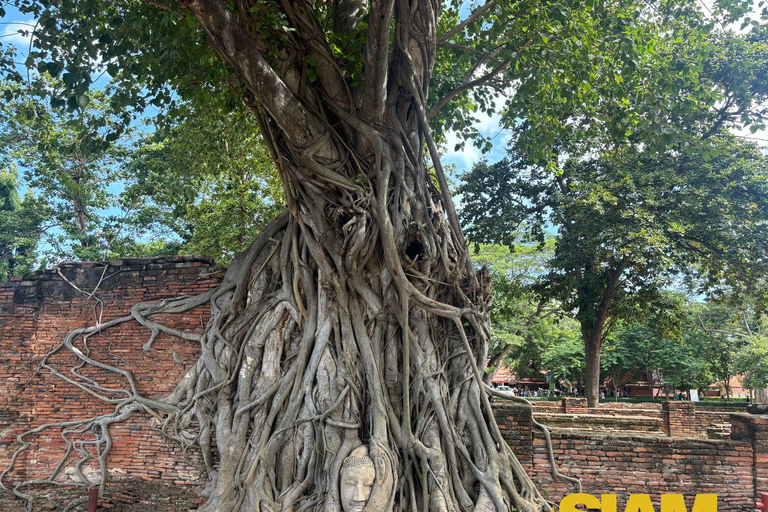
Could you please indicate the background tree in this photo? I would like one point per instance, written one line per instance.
(725, 330)
(620, 352)
(202, 183)
(681, 363)
(205, 180)
(627, 223)
(515, 308)
(752, 363)
(71, 161)
(564, 358)
(526, 360)
(609, 145)
(21, 224)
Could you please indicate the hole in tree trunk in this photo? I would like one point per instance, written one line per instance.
(414, 249)
(414, 242)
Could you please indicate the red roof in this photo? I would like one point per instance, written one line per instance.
(505, 374)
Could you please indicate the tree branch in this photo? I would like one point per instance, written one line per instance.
(463, 48)
(746, 323)
(377, 57)
(298, 125)
(310, 37)
(442, 102)
(704, 328)
(486, 58)
(164, 7)
(695, 244)
(610, 291)
(464, 24)
(722, 116)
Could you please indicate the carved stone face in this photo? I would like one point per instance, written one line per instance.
(356, 485)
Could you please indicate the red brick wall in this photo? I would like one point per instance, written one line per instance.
(620, 463)
(753, 429)
(623, 465)
(515, 424)
(680, 419)
(677, 419)
(35, 315)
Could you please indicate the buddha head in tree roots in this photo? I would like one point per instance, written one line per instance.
(357, 477)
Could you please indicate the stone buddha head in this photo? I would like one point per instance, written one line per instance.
(357, 477)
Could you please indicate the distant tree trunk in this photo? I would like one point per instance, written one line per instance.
(81, 218)
(592, 344)
(78, 206)
(592, 319)
(495, 363)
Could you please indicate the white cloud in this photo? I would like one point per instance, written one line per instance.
(465, 157)
(486, 122)
(10, 34)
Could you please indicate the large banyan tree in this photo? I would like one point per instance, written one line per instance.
(356, 317)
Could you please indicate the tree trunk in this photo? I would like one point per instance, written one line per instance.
(592, 345)
(357, 317)
(495, 362)
(649, 378)
(593, 321)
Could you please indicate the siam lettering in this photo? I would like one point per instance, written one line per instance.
(637, 503)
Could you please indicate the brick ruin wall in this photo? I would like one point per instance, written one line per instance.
(614, 463)
(35, 315)
(675, 418)
(151, 473)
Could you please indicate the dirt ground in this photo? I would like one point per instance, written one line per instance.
(120, 496)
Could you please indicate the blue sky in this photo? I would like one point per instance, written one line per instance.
(463, 159)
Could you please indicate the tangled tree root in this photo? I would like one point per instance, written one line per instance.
(296, 369)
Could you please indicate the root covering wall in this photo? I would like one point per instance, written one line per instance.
(661, 455)
(35, 315)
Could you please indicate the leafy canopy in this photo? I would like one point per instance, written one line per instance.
(71, 160)
(207, 179)
(639, 218)
(21, 225)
